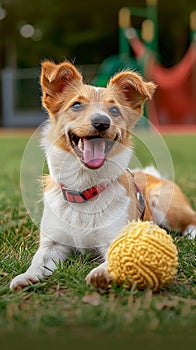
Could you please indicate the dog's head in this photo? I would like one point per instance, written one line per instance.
(92, 123)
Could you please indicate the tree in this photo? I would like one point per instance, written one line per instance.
(83, 30)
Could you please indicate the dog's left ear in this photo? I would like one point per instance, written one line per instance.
(133, 89)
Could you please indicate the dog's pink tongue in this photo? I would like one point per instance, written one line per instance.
(94, 152)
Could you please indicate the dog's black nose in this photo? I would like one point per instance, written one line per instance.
(100, 122)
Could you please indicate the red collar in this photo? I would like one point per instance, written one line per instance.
(82, 197)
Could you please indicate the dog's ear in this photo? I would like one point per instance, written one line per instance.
(54, 80)
(133, 89)
(55, 77)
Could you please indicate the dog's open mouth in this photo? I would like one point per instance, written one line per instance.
(92, 151)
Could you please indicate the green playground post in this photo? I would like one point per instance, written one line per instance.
(193, 26)
(152, 15)
(149, 13)
(124, 22)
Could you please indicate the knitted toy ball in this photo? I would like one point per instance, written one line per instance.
(144, 254)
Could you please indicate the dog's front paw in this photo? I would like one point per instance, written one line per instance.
(22, 281)
(99, 278)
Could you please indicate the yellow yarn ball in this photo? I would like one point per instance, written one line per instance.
(144, 254)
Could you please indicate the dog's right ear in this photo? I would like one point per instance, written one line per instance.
(133, 88)
(54, 80)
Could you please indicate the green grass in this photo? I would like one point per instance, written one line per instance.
(57, 307)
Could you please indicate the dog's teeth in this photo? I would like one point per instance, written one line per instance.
(103, 146)
(81, 145)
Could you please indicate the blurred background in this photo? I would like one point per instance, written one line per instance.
(157, 38)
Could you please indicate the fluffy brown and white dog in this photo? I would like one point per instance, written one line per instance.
(90, 194)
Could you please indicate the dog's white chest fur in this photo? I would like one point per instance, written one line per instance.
(84, 226)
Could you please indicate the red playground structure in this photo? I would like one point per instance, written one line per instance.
(174, 103)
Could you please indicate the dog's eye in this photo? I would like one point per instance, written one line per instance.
(114, 111)
(77, 106)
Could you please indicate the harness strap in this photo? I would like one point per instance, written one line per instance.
(139, 196)
(141, 200)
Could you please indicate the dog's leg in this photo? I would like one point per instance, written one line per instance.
(190, 231)
(166, 204)
(99, 277)
(43, 264)
(171, 208)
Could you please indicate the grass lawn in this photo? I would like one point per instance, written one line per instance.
(62, 307)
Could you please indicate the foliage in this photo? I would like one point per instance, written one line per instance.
(84, 30)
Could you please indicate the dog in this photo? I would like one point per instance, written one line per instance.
(90, 193)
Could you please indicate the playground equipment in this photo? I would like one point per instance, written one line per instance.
(174, 102)
(125, 59)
